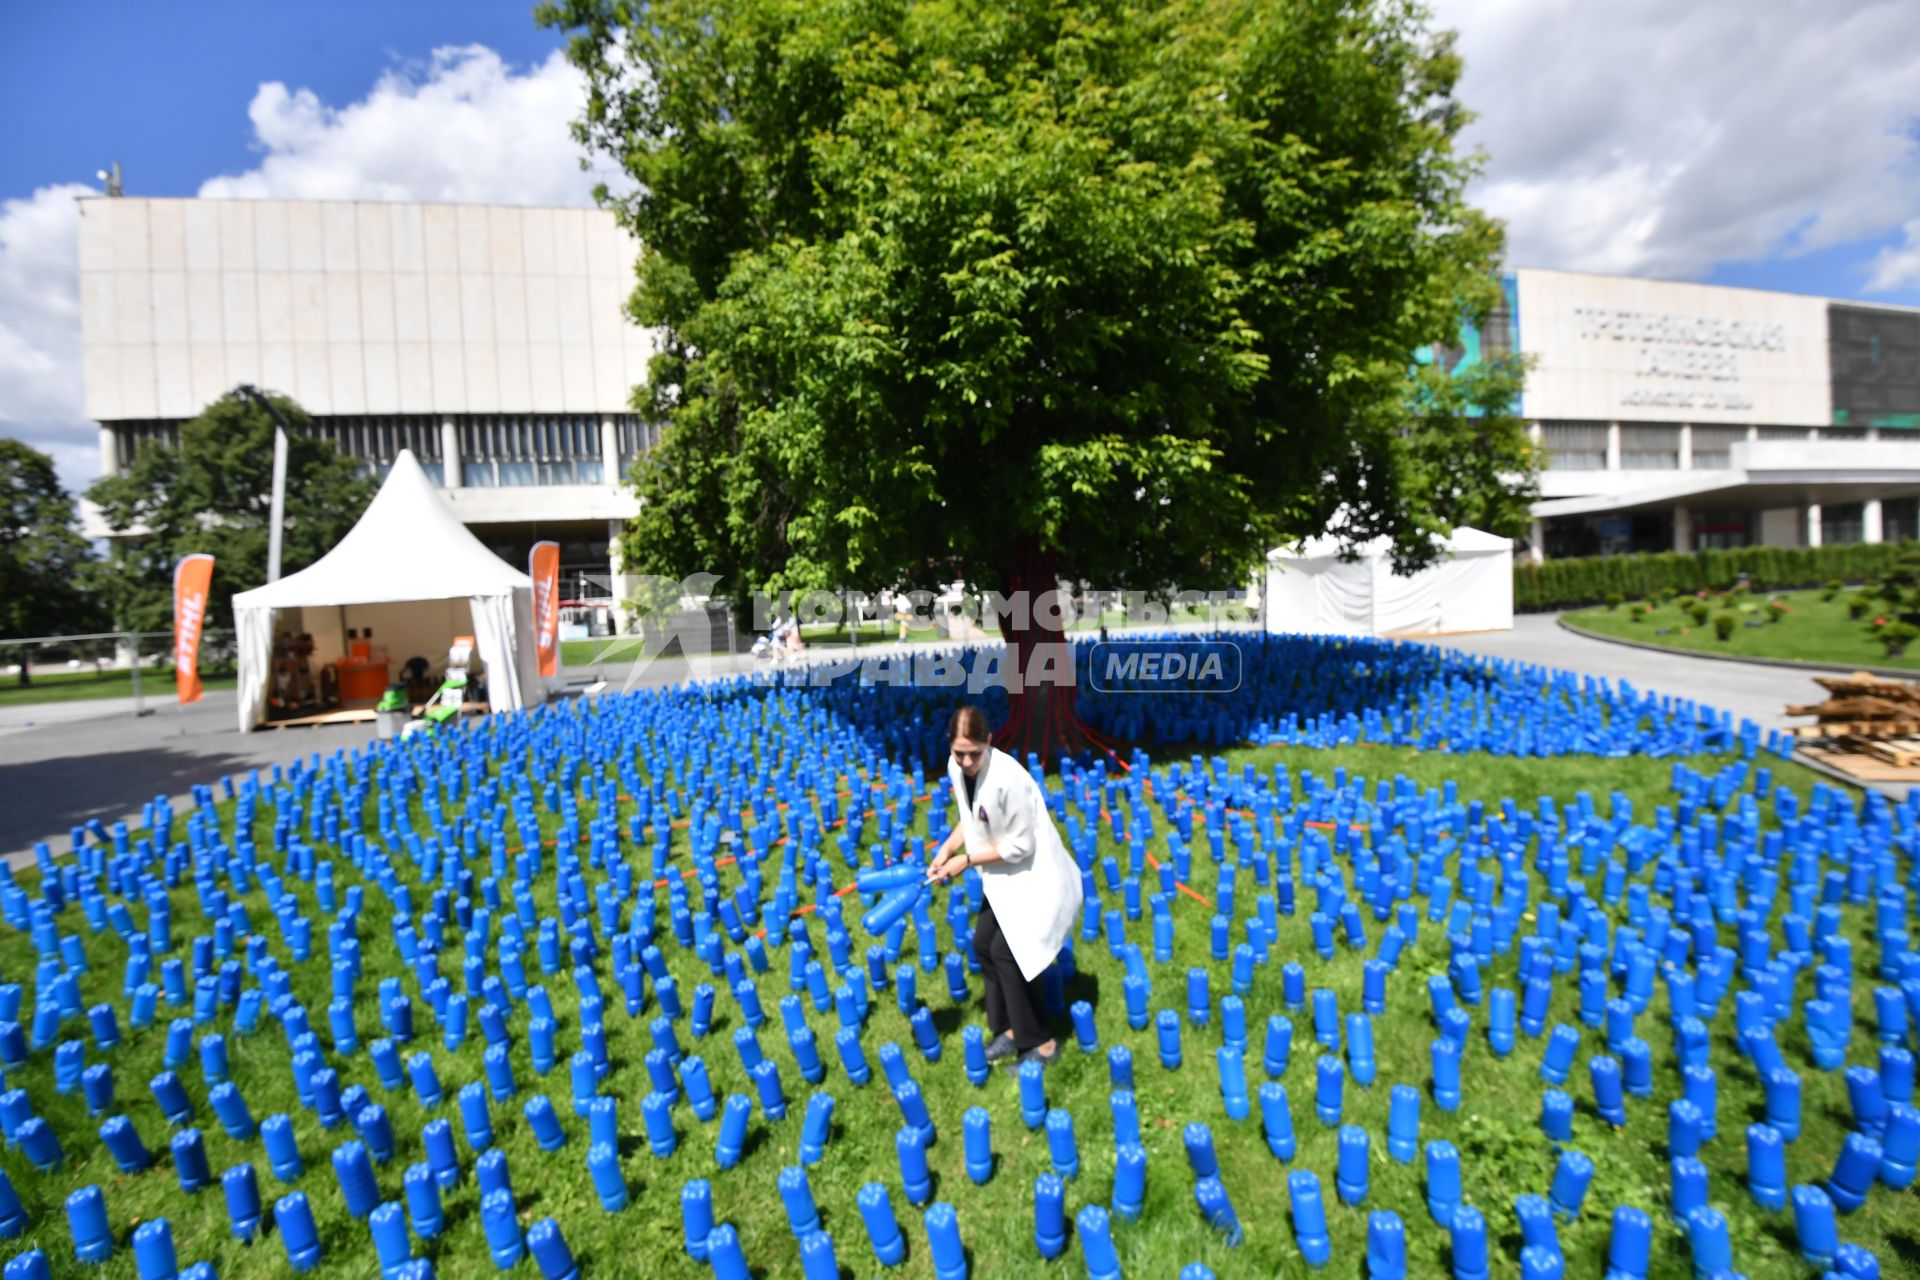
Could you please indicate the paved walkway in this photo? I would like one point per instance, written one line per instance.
(1750, 692)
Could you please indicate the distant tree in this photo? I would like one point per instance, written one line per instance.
(1895, 598)
(1114, 291)
(213, 494)
(43, 558)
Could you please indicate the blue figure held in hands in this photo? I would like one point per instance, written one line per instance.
(1031, 883)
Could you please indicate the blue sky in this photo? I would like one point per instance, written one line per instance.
(164, 88)
(1772, 144)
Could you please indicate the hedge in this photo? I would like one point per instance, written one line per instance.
(1564, 584)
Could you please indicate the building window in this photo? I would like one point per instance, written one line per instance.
(514, 450)
(634, 437)
(1575, 446)
(1843, 433)
(1782, 433)
(131, 439)
(1649, 447)
(1900, 519)
(1713, 448)
(1721, 530)
(1842, 522)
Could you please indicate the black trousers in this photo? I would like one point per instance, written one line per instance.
(1013, 1003)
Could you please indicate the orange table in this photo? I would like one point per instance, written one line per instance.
(361, 679)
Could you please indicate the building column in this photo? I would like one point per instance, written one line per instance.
(1813, 524)
(1537, 541)
(1613, 446)
(617, 582)
(1872, 523)
(1682, 527)
(1686, 446)
(109, 452)
(450, 454)
(610, 452)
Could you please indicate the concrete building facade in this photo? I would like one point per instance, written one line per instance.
(491, 340)
(1685, 416)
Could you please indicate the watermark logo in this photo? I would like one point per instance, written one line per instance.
(685, 629)
(1211, 665)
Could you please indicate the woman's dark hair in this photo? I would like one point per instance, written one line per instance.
(969, 722)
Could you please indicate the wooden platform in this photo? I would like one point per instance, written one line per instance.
(358, 713)
(1861, 766)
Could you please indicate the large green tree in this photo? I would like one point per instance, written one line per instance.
(213, 494)
(1123, 291)
(43, 558)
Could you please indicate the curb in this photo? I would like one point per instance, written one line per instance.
(1785, 664)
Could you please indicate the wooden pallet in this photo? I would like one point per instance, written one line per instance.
(1857, 729)
(1860, 766)
(1864, 682)
(1903, 753)
(1858, 707)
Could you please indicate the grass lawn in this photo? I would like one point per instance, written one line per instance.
(51, 685)
(1502, 1151)
(1814, 630)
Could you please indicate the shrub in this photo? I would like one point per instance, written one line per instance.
(1723, 625)
(1857, 605)
(1637, 612)
(1895, 637)
(1613, 601)
(1560, 584)
(1698, 611)
(1832, 592)
(1776, 610)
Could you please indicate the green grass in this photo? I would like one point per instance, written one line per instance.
(51, 685)
(1502, 1152)
(1814, 630)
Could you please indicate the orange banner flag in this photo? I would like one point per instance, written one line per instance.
(192, 578)
(543, 564)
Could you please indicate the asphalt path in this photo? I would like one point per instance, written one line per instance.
(1749, 691)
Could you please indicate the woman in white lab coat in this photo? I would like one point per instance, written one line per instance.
(1032, 885)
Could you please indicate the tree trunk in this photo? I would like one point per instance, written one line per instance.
(1043, 716)
(26, 667)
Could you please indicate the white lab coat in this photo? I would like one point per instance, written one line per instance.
(1035, 889)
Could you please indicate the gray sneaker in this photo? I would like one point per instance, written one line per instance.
(1000, 1047)
(1044, 1059)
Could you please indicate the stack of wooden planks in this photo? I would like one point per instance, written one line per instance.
(1865, 715)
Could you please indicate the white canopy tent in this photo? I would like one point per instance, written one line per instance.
(1310, 589)
(411, 569)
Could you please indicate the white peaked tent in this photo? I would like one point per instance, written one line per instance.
(412, 565)
(1310, 589)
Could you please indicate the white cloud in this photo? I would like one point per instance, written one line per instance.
(1897, 266)
(40, 330)
(463, 126)
(1644, 137)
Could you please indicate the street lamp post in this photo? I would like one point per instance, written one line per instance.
(278, 507)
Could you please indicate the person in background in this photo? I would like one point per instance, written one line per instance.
(1032, 883)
